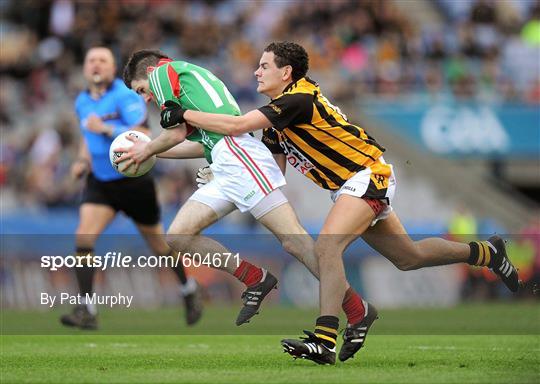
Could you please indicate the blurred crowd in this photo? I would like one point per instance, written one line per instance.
(467, 50)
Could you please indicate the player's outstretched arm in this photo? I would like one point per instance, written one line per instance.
(140, 151)
(167, 139)
(227, 124)
(185, 150)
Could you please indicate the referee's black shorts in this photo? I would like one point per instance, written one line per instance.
(136, 197)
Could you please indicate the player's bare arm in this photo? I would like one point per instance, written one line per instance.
(141, 151)
(185, 150)
(227, 124)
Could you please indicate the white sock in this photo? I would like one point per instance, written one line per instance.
(91, 307)
(189, 287)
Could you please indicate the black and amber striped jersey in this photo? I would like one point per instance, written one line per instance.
(317, 138)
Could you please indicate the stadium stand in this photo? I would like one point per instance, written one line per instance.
(367, 50)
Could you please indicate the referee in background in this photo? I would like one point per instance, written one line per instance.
(105, 110)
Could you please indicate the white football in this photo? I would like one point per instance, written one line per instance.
(121, 141)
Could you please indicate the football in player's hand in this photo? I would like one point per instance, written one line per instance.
(122, 142)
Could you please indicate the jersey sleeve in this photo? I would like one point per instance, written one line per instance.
(271, 140)
(288, 110)
(164, 84)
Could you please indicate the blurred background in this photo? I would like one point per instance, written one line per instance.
(450, 88)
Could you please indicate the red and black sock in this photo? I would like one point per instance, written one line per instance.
(248, 274)
(353, 307)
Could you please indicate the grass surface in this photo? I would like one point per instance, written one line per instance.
(405, 346)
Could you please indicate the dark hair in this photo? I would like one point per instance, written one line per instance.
(138, 63)
(287, 53)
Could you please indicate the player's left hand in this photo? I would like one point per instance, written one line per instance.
(204, 176)
(172, 115)
(96, 125)
(136, 154)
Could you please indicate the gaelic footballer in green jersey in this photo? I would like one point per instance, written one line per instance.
(246, 176)
(195, 88)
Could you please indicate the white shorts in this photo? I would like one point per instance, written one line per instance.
(245, 172)
(362, 185)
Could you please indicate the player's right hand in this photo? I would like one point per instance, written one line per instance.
(137, 154)
(204, 176)
(172, 115)
(80, 168)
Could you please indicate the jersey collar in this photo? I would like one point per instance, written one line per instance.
(300, 80)
(161, 62)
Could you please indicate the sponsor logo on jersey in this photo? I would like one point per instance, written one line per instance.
(296, 159)
(276, 109)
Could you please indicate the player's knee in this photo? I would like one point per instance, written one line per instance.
(408, 261)
(325, 249)
(406, 265)
(84, 238)
(293, 246)
(173, 240)
(84, 230)
(178, 240)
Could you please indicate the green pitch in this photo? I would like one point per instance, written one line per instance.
(467, 344)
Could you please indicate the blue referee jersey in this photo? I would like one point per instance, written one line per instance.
(119, 107)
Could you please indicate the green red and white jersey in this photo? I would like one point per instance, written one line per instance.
(194, 88)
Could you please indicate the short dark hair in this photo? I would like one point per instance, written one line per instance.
(287, 53)
(139, 61)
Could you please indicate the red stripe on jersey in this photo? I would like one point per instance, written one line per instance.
(174, 81)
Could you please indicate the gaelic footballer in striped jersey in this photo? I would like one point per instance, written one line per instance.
(303, 128)
(246, 176)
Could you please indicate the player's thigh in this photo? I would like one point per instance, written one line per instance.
(192, 218)
(282, 220)
(283, 223)
(155, 237)
(349, 218)
(390, 239)
(93, 219)
(207, 205)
